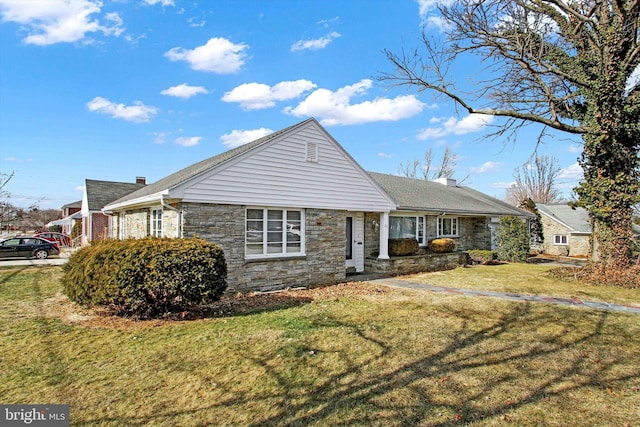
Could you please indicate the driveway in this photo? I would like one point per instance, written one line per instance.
(22, 262)
(574, 302)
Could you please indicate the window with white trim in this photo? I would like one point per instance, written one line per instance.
(407, 227)
(156, 223)
(274, 232)
(447, 227)
(560, 239)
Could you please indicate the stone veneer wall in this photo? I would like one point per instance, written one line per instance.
(324, 262)
(578, 244)
(416, 263)
(137, 224)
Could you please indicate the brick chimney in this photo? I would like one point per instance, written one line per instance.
(141, 180)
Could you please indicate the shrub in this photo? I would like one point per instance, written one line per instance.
(148, 277)
(479, 256)
(442, 245)
(512, 239)
(403, 246)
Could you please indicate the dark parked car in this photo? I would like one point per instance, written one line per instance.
(52, 236)
(27, 247)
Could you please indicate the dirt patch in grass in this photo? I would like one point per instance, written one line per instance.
(59, 306)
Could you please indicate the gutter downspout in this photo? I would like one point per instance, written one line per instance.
(164, 204)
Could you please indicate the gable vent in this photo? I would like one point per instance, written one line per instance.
(312, 152)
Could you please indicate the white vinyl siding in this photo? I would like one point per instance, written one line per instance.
(272, 232)
(156, 223)
(407, 226)
(447, 227)
(280, 174)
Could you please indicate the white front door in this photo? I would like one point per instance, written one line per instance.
(355, 241)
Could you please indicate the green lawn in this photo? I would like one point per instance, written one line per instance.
(354, 355)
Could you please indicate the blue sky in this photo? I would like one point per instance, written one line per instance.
(111, 90)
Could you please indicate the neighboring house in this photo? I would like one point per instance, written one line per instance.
(70, 214)
(566, 230)
(97, 194)
(294, 208)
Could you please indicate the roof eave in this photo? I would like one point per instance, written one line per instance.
(462, 212)
(141, 201)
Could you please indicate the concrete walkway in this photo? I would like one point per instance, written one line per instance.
(573, 302)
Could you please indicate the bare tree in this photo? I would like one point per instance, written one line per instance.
(566, 65)
(535, 180)
(426, 169)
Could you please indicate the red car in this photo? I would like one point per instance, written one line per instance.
(59, 238)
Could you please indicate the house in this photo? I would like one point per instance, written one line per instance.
(294, 208)
(566, 230)
(97, 194)
(70, 214)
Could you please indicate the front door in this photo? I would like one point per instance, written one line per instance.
(355, 241)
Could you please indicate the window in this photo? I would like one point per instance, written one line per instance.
(447, 227)
(407, 226)
(274, 232)
(560, 239)
(156, 223)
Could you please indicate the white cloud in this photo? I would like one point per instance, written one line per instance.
(59, 21)
(335, 108)
(502, 184)
(385, 155)
(160, 137)
(188, 141)
(425, 7)
(240, 137)
(315, 44)
(184, 91)
(575, 148)
(572, 173)
(486, 167)
(133, 113)
(161, 2)
(471, 123)
(218, 55)
(16, 160)
(255, 96)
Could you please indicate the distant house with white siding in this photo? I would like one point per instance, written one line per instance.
(294, 208)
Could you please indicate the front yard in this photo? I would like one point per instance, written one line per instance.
(354, 354)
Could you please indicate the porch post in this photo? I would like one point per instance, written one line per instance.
(384, 236)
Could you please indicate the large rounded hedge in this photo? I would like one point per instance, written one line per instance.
(148, 277)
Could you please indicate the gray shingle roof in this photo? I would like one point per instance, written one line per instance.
(101, 193)
(423, 195)
(196, 169)
(576, 219)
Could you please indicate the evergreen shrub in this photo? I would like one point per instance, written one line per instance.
(403, 246)
(479, 256)
(150, 277)
(442, 245)
(512, 239)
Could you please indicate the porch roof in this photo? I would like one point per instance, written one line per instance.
(422, 195)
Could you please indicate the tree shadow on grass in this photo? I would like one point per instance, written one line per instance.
(373, 388)
(363, 398)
